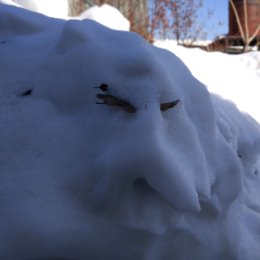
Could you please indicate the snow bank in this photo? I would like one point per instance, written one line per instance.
(9, 2)
(234, 77)
(108, 16)
(161, 170)
(57, 8)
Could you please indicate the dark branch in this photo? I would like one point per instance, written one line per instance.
(114, 101)
(168, 105)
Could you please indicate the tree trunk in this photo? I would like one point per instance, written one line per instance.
(76, 7)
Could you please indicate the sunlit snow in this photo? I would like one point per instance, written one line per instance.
(234, 77)
(163, 170)
(108, 16)
(53, 8)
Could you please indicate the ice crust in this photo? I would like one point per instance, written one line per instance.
(80, 180)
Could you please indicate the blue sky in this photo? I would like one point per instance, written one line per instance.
(220, 14)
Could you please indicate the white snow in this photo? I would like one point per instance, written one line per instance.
(105, 14)
(126, 179)
(9, 2)
(234, 77)
(108, 16)
(53, 8)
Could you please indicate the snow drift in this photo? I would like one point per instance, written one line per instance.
(161, 170)
(57, 8)
(107, 15)
(233, 77)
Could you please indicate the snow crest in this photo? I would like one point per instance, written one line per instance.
(111, 149)
(108, 16)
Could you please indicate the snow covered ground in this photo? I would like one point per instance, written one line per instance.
(162, 170)
(234, 77)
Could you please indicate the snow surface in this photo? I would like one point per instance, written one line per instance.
(9, 2)
(105, 14)
(234, 77)
(53, 8)
(163, 170)
(108, 16)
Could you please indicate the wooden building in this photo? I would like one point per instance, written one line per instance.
(249, 17)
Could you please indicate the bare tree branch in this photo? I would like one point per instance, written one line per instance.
(177, 19)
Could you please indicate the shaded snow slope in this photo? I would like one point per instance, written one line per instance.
(161, 170)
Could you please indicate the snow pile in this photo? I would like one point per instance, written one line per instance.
(161, 170)
(9, 2)
(234, 77)
(57, 8)
(105, 14)
(108, 16)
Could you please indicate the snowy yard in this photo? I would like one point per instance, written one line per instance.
(111, 149)
(234, 77)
